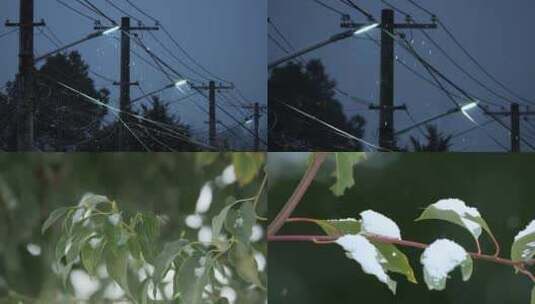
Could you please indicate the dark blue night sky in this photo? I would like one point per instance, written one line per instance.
(227, 37)
(498, 33)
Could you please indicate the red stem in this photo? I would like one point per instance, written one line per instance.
(298, 193)
(327, 239)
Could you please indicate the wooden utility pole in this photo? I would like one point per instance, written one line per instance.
(515, 114)
(386, 104)
(125, 83)
(25, 80)
(256, 107)
(212, 122)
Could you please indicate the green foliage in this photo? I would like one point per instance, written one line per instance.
(523, 248)
(463, 220)
(105, 235)
(154, 203)
(247, 165)
(394, 259)
(345, 162)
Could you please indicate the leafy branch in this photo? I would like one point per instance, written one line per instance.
(371, 241)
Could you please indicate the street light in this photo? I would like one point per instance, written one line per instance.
(366, 28)
(332, 39)
(467, 107)
(86, 38)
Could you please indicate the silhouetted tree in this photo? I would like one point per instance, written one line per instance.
(436, 141)
(156, 129)
(310, 89)
(62, 118)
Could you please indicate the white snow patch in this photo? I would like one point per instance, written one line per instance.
(441, 257)
(205, 235)
(220, 277)
(194, 221)
(260, 261)
(113, 291)
(459, 207)
(229, 293)
(84, 286)
(362, 251)
(376, 223)
(33, 249)
(205, 199)
(530, 228)
(114, 219)
(257, 233)
(229, 175)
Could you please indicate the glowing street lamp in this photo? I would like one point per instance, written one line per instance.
(332, 39)
(467, 107)
(111, 30)
(181, 84)
(366, 29)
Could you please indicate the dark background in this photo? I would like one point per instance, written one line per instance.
(400, 186)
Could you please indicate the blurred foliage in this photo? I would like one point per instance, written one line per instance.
(400, 185)
(158, 189)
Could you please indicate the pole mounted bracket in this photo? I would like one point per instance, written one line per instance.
(118, 83)
(18, 24)
(382, 107)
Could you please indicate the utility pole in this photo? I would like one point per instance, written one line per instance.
(386, 104)
(515, 114)
(125, 83)
(212, 130)
(256, 107)
(25, 81)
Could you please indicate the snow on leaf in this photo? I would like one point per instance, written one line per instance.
(455, 211)
(524, 245)
(440, 258)
(366, 254)
(376, 223)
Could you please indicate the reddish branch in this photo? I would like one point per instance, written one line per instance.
(298, 193)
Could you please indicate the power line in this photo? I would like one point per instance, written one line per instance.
(77, 11)
(469, 55)
(330, 8)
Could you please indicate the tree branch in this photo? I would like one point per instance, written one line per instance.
(298, 193)
(327, 239)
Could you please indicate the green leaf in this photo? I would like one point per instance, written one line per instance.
(192, 279)
(533, 295)
(336, 227)
(166, 257)
(396, 261)
(53, 217)
(464, 220)
(91, 257)
(435, 283)
(247, 165)
(117, 266)
(143, 291)
(345, 161)
(244, 262)
(206, 158)
(219, 220)
(467, 266)
(240, 221)
(91, 200)
(523, 248)
(148, 230)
